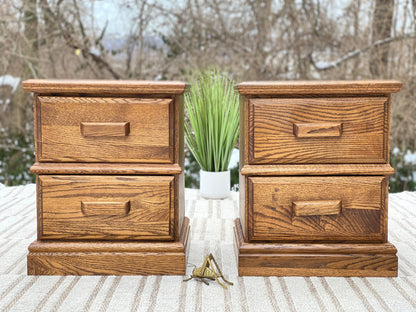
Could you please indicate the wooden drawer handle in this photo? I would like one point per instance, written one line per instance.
(105, 208)
(316, 208)
(317, 130)
(98, 129)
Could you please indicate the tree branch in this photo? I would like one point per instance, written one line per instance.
(319, 66)
(67, 31)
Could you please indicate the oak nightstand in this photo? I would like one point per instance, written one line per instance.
(110, 180)
(314, 160)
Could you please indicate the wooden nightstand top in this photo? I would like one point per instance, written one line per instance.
(318, 87)
(103, 86)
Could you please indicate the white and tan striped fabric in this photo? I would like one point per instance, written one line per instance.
(211, 231)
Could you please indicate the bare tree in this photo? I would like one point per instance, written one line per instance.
(29, 52)
(381, 30)
(70, 27)
(250, 39)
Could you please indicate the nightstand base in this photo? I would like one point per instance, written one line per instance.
(109, 258)
(310, 259)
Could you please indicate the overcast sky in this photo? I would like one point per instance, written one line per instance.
(119, 16)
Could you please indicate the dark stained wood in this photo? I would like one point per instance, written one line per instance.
(319, 87)
(105, 168)
(278, 259)
(272, 217)
(103, 86)
(314, 166)
(109, 258)
(271, 125)
(317, 169)
(149, 139)
(110, 181)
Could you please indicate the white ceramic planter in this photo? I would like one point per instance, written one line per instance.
(214, 185)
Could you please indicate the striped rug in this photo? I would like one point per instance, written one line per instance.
(211, 231)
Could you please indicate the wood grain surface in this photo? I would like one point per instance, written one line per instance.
(109, 258)
(316, 208)
(104, 129)
(318, 265)
(103, 86)
(110, 181)
(243, 148)
(63, 215)
(117, 263)
(105, 168)
(272, 139)
(319, 87)
(317, 130)
(323, 248)
(277, 259)
(111, 208)
(271, 215)
(317, 169)
(314, 166)
(63, 138)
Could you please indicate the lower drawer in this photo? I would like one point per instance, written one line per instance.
(106, 207)
(345, 208)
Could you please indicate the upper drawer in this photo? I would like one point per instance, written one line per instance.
(97, 129)
(349, 208)
(318, 130)
(106, 207)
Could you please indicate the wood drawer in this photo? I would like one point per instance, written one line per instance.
(98, 129)
(318, 130)
(304, 209)
(106, 207)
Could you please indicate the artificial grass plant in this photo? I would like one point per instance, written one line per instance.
(212, 126)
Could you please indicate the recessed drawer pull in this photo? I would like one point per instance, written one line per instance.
(105, 208)
(317, 130)
(99, 129)
(316, 208)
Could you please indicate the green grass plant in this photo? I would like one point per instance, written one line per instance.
(212, 126)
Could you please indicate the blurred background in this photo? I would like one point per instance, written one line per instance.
(170, 40)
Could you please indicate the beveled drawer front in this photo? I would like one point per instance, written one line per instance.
(106, 207)
(318, 130)
(93, 129)
(348, 208)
